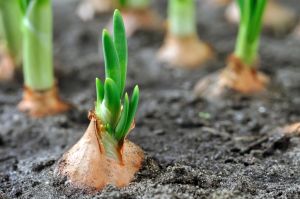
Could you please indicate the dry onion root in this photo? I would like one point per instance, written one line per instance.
(277, 18)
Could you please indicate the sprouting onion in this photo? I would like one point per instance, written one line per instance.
(240, 74)
(249, 30)
(182, 17)
(115, 110)
(37, 44)
(11, 20)
(40, 96)
(103, 156)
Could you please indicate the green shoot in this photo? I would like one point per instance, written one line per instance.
(182, 17)
(135, 4)
(37, 44)
(251, 12)
(2, 34)
(115, 110)
(11, 19)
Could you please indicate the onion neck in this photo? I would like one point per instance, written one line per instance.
(182, 17)
(37, 48)
(111, 147)
(246, 50)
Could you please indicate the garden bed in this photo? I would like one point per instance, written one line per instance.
(194, 149)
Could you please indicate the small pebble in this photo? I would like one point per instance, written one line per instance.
(159, 132)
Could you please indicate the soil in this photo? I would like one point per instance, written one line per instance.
(195, 149)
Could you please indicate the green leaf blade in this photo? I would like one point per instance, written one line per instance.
(124, 116)
(257, 19)
(111, 60)
(120, 42)
(37, 29)
(251, 12)
(122, 3)
(132, 111)
(112, 100)
(99, 90)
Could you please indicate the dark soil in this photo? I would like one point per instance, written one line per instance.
(195, 149)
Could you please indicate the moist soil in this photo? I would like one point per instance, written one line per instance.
(194, 148)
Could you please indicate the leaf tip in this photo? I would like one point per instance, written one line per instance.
(117, 12)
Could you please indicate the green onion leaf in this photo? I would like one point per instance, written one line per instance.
(122, 2)
(23, 5)
(11, 22)
(240, 4)
(257, 19)
(124, 117)
(121, 46)
(132, 110)
(251, 14)
(37, 44)
(99, 90)
(112, 101)
(112, 65)
(182, 17)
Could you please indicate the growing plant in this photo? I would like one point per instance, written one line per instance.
(11, 38)
(103, 155)
(138, 15)
(248, 38)
(277, 18)
(241, 74)
(40, 93)
(182, 47)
